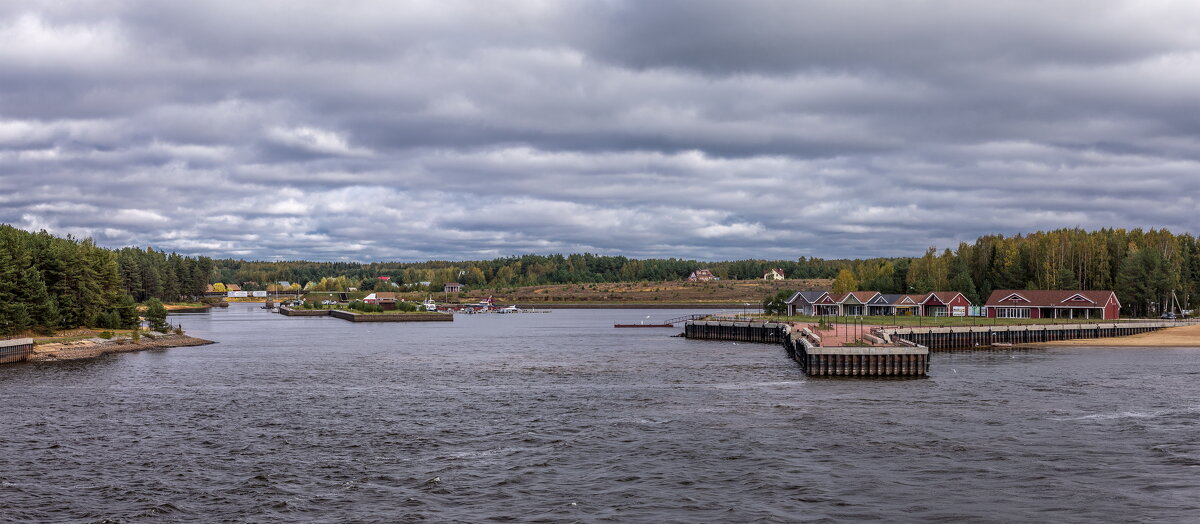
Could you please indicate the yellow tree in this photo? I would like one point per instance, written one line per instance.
(845, 282)
(219, 287)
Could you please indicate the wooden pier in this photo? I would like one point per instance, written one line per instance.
(15, 350)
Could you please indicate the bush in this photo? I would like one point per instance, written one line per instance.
(136, 334)
(150, 336)
(179, 329)
(105, 335)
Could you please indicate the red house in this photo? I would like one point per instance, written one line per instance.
(944, 304)
(1046, 303)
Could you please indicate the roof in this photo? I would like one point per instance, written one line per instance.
(886, 299)
(453, 284)
(806, 296)
(864, 296)
(232, 287)
(943, 296)
(837, 297)
(385, 295)
(1050, 298)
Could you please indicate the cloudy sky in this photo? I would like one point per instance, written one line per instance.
(710, 130)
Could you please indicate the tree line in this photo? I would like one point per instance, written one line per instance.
(1143, 267)
(48, 282)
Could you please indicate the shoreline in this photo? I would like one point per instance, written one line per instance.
(95, 347)
(1182, 336)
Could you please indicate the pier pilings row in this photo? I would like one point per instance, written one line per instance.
(975, 337)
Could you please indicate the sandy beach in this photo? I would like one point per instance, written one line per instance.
(1183, 336)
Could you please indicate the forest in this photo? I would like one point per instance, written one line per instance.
(49, 283)
(1144, 267)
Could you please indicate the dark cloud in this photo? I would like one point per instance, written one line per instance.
(712, 130)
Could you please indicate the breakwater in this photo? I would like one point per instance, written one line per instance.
(966, 337)
(392, 317)
(363, 317)
(764, 332)
(856, 361)
(804, 347)
(15, 350)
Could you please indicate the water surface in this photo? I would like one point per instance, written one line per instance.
(560, 417)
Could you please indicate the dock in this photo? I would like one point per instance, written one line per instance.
(15, 350)
(969, 337)
(899, 352)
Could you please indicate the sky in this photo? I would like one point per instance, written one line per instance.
(448, 130)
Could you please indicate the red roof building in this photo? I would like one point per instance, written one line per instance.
(944, 304)
(1047, 303)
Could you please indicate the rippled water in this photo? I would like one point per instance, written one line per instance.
(560, 417)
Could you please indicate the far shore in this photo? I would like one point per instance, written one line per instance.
(1182, 336)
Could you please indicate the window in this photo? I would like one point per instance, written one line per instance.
(1012, 312)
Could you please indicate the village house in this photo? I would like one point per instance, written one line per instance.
(944, 304)
(773, 274)
(702, 275)
(801, 303)
(451, 287)
(1008, 303)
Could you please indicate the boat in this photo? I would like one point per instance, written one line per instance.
(429, 304)
(509, 309)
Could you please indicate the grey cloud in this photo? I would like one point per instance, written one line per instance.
(695, 129)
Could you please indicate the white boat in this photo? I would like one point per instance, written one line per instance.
(509, 309)
(429, 304)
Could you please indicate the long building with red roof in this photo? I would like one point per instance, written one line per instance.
(1047, 303)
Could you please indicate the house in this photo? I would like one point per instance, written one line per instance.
(451, 287)
(773, 274)
(944, 304)
(701, 275)
(801, 303)
(854, 303)
(883, 305)
(1008, 303)
(383, 298)
(232, 287)
(829, 304)
(386, 299)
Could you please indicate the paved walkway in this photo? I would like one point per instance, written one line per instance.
(839, 334)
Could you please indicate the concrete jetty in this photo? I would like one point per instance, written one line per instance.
(352, 316)
(804, 346)
(15, 350)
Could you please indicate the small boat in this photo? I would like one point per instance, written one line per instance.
(429, 304)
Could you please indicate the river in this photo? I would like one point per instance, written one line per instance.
(559, 417)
